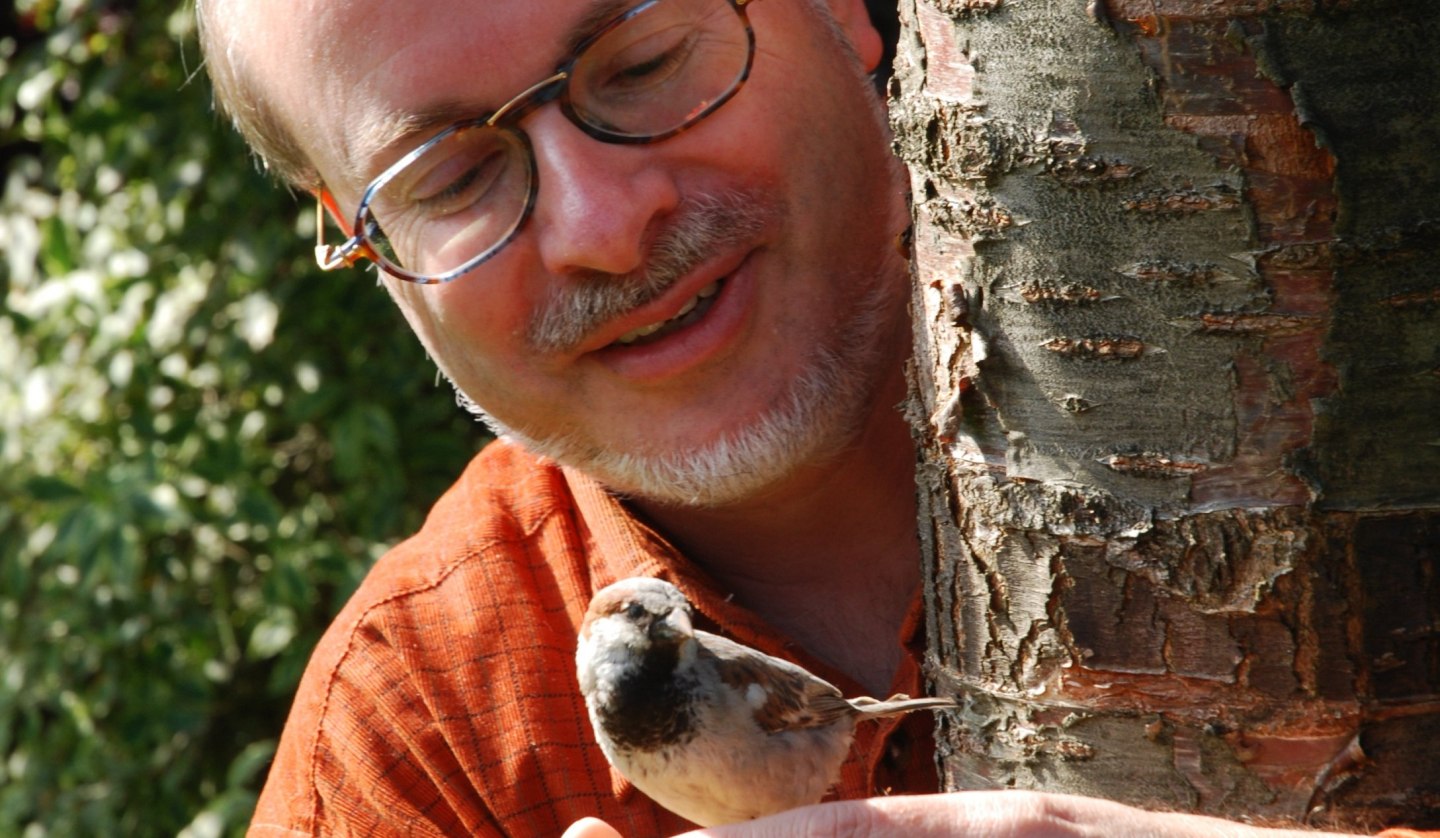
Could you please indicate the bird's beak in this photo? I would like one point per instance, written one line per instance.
(675, 625)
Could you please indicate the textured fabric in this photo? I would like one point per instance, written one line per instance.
(443, 699)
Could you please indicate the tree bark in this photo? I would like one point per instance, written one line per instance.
(1177, 387)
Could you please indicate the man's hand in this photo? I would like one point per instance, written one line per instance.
(995, 814)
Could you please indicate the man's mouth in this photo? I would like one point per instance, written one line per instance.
(693, 309)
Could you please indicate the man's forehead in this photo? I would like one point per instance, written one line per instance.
(383, 75)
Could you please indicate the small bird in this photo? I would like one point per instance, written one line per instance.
(712, 730)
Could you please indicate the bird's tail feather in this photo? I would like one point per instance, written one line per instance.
(896, 704)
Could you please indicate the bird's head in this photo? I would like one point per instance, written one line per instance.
(643, 608)
(632, 622)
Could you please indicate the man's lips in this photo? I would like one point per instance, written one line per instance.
(693, 309)
(683, 304)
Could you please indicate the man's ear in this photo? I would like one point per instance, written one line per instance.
(854, 19)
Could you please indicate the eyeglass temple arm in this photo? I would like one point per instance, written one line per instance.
(330, 256)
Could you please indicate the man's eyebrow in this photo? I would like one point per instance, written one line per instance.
(406, 129)
(409, 129)
(597, 16)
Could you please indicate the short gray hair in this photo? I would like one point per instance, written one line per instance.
(248, 109)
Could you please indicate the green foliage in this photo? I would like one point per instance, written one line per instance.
(204, 442)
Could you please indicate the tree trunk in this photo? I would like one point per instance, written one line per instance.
(1177, 385)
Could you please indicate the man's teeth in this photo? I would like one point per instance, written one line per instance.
(678, 320)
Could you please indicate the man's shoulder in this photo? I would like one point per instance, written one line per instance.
(509, 523)
(410, 672)
(504, 493)
(503, 547)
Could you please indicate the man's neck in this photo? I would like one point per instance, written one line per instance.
(832, 557)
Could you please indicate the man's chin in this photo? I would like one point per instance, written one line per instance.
(722, 474)
(820, 418)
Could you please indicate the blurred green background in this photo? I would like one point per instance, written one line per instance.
(204, 442)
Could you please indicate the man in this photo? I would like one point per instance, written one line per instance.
(666, 274)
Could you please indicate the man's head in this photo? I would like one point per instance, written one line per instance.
(690, 319)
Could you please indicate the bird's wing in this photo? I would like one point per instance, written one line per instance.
(784, 696)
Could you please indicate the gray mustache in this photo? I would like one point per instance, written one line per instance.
(701, 226)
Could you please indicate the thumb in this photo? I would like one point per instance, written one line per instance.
(590, 828)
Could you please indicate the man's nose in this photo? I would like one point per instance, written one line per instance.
(600, 204)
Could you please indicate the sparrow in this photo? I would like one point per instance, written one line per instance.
(711, 729)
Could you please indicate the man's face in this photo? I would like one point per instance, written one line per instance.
(761, 238)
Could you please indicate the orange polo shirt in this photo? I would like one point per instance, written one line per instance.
(443, 699)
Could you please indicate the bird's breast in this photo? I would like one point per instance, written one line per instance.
(648, 707)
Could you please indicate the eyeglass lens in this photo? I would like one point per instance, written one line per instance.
(653, 72)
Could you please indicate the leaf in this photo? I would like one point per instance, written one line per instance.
(249, 763)
(49, 489)
(272, 634)
(57, 252)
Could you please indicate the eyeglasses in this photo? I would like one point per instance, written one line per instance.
(457, 200)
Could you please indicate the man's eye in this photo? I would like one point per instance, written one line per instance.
(456, 184)
(646, 65)
(649, 68)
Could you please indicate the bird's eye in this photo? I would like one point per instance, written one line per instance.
(634, 611)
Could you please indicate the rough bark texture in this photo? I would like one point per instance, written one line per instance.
(1177, 382)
